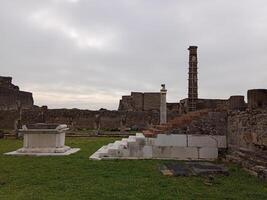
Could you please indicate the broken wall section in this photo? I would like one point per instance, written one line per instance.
(248, 129)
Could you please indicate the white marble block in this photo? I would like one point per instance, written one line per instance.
(147, 152)
(208, 153)
(44, 139)
(202, 141)
(171, 140)
(180, 153)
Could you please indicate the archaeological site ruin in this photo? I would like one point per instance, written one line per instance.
(133, 100)
(193, 128)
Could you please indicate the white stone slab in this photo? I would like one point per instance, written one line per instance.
(125, 152)
(140, 140)
(147, 152)
(70, 151)
(179, 153)
(140, 135)
(150, 141)
(201, 141)
(163, 147)
(208, 153)
(135, 149)
(171, 140)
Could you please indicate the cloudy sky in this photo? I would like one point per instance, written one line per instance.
(87, 53)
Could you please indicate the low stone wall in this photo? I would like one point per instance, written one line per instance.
(84, 119)
(210, 123)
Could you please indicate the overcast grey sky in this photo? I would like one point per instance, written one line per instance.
(87, 53)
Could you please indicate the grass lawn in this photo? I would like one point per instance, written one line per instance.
(77, 177)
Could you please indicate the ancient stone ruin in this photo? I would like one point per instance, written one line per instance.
(193, 128)
(12, 97)
(164, 146)
(44, 140)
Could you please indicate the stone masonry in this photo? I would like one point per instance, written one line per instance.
(11, 97)
(192, 79)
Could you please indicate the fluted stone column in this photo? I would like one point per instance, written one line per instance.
(163, 105)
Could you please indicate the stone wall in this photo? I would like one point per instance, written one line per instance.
(237, 102)
(93, 119)
(211, 103)
(151, 101)
(8, 119)
(248, 129)
(211, 123)
(257, 98)
(138, 101)
(85, 119)
(11, 96)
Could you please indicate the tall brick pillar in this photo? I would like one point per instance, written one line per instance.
(163, 105)
(192, 79)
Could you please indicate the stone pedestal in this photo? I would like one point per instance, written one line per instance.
(163, 105)
(44, 139)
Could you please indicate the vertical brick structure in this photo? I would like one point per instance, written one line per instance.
(192, 79)
(163, 105)
(236, 102)
(257, 98)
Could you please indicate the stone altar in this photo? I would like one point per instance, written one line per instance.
(44, 139)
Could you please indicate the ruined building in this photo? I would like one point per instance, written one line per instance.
(11, 97)
(138, 101)
(257, 98)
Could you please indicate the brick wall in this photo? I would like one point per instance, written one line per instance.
(151, 101)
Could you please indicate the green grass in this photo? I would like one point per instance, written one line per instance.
(77, 177)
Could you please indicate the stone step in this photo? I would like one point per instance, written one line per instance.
(120, 144)
(252, 159)
(251, 167)
(140, 135)
(131, 138)
(140, 139)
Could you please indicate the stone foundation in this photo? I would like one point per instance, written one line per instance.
(177, 147)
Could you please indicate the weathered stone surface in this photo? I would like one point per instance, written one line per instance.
(12, 97)
(171, 140)
(248, 129)
(45, 139)
(147, 151)
(221, 140)
(138, 101)
(132, 148)
(181, 153)
(208, 153)
(257, 98)
(83, 119)
(163, 105)
(201, 141)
